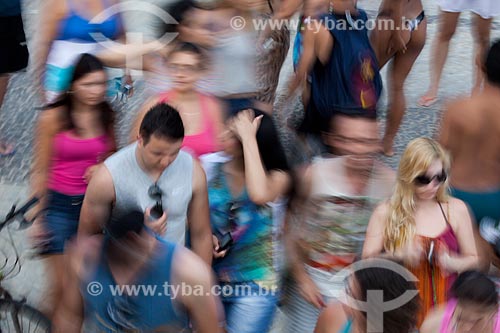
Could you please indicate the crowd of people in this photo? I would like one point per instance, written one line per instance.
(205, 195)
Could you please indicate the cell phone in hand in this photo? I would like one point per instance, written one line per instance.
(157, 211)
(225, 242)
(430, 256)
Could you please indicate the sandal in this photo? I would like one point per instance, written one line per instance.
(426, 101)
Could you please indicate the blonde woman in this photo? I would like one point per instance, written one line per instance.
(422, 225)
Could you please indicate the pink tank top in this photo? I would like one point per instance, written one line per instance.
(70, 159)
(448, 314)
(203, 142)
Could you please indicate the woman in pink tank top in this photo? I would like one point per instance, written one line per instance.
(200, 113)
(473, 308)
(73, 136)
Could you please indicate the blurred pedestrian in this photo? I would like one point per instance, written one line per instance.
(67, 30)
(73, 137)
(146, 284)
(13, 53)
(483, 12)
(421, 225)
(241, 194)
(470, 131)
(201, 114)
(155, 176)
(402, 44)
(473, 307)
(371, 275)
(326, 224)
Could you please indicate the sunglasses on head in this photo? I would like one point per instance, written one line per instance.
(155, 193)
(426, 180)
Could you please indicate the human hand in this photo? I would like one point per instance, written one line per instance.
(411, 253)
(310, 291)
(216, 244)
(245, 125)
(445, 260)
(159, 226)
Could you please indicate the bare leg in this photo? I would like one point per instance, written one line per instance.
(440, 45)
(4, 82)
(55, 273)
(481, 34)
(400, 68)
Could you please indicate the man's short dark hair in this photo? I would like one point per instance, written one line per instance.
(163, 121)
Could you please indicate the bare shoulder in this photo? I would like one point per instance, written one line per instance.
(199, 177)
(51, 117)
(459, 110)
(187, 267)
(382, 209)
(459, 213)
(457, 206)
(101, 186)
(432, 323)
(332, 319)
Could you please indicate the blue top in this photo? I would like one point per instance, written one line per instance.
(148, 310)
(250, 258)
(77, 27)
(350, 82)
(347, 327)
(10, 8)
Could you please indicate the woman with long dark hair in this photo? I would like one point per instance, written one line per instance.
(473, 307)
(241, 194)
(370, 276)
(73, 135)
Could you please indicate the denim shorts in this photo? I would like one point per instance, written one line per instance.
(61, 220)
(251, 310)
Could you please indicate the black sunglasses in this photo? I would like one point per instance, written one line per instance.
(423, 180)
(155, 193)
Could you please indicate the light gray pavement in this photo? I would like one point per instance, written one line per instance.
(18, 115)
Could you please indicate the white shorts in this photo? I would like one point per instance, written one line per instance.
(484, 8)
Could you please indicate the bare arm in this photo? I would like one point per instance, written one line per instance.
(432, 323)
(97, 203)
(202, 308)
(51, 13)
(136, 125)
(296, 248)
(306, 62)
(132, 56)
(263, 186)
(332, 319)
(217, 118)
(199, 216)
(47, 126)
(374, 239)
(444, 136)
(69, 314)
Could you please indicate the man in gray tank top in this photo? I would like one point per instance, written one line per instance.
(154, 176)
